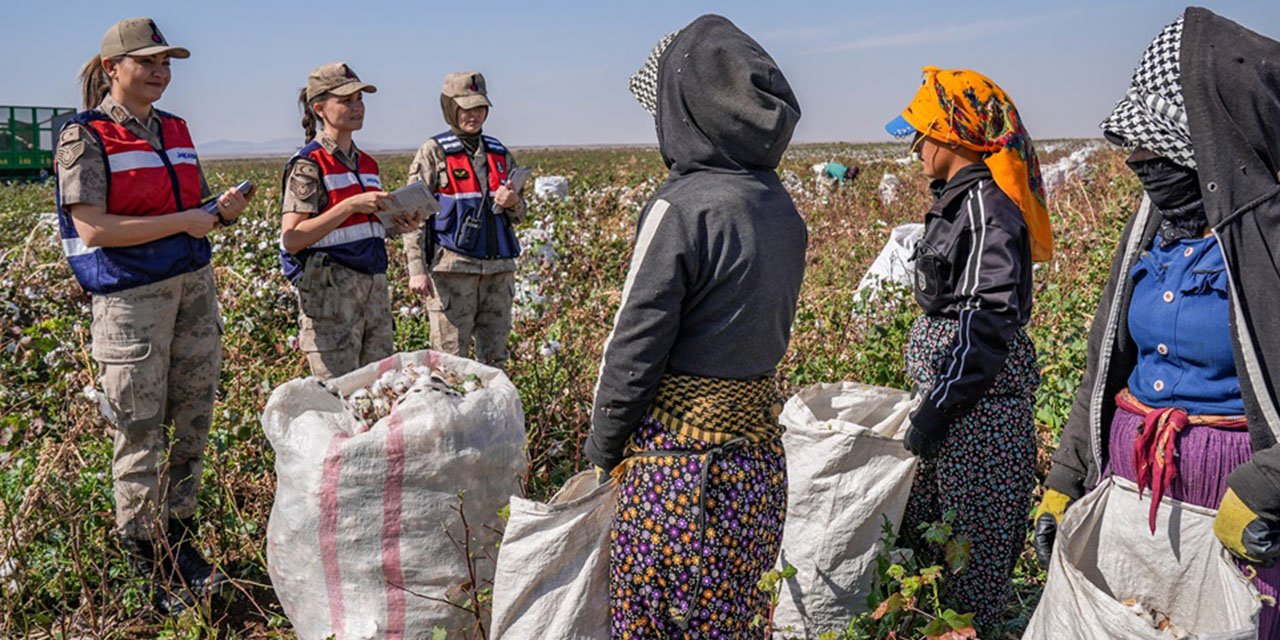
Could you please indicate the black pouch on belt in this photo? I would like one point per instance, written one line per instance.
(317, 289)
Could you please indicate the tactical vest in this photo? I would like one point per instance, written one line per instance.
(467, 223)
(140, 182)
(359, 243)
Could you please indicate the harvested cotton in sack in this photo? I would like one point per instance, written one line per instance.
(365, 531)
(847, 471)
(1110, 577)
(552, 579)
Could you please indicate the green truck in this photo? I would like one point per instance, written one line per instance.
(28, 136)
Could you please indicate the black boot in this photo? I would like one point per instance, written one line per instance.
(200, 577)
(165, 596)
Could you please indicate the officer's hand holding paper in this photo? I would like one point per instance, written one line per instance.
(515, 184)
(410, 204)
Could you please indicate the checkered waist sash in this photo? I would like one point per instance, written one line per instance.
(718, 410)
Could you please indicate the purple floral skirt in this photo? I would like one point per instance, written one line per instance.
(677, 572)
(1206, 456)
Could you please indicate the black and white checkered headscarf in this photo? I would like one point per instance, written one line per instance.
(1152, 113)
(644, 83)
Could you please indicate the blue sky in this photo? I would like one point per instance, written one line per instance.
(558, 71)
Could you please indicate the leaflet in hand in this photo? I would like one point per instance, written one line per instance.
(414, 197)
(518, 178)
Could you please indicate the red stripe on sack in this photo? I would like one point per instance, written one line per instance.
(329, 535)
(392, 571)
(386, 364)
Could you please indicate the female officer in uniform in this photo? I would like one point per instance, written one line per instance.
(332, 244)
(129, 184)
(470, 247)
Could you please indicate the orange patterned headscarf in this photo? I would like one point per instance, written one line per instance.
(966, 108)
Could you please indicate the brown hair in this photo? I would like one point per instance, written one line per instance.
(95, 84)
(309, 120)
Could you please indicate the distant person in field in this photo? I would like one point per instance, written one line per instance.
(969, 354)
(1180, 391)
(333, 246)
(686, 406)
(464, 259)
(129, 190)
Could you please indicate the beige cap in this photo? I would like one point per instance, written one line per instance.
(138, 37)
(467, 89)
(336, 78)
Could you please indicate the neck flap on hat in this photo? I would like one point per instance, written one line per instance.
(1152, 113)
(966, 108)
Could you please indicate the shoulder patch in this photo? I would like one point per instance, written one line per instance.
(307, 169)
(70, 133)
(304, 180)
(69, 152)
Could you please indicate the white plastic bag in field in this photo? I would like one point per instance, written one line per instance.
(896, 262)
(846, 472)
(554, 187)
(1110, 577)
(359, 542)
(552, 579)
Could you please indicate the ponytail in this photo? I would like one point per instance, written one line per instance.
(95, 84)
(308, 116)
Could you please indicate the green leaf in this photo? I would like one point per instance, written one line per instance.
(439, 633)
(937, 533)
(891, 604)
(959, 550)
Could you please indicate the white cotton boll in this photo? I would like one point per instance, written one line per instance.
(889, 189)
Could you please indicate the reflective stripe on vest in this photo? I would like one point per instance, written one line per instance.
(140, 182)
(488, 235)
(359, 242)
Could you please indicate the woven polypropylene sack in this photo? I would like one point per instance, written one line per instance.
(847, 471)
(1108, 569)
(364, 532)
(552, 579)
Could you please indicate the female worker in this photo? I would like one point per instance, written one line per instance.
(969, 354)
(686, 406)
(129, 188)
(332, 244)
(1179, 394)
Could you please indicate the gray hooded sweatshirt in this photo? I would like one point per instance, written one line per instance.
(720, 250)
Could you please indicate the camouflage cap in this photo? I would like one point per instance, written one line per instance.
(466, 88)
(335, 78)
(138, 37)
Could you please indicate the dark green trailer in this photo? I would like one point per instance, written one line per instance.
(28, 136)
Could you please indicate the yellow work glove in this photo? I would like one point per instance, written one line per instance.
(1244, 533)
(1048, 516)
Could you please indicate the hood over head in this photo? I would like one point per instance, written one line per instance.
(722, 102)
(1231, 85)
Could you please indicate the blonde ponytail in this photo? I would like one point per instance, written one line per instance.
(95, 84)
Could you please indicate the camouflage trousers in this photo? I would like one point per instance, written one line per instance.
(472, 306)
(344, 319)
(159, 354)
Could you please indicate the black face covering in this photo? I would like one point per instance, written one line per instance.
(1175, 191)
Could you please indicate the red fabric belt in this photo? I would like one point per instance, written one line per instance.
(1155, 449)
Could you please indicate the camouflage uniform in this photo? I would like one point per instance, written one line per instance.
(344, 316)
(473, 296)
(159, 354)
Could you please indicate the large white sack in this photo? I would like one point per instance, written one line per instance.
(846, 472)
(896, 262)
(359, 536)
(555, 187)
(552, 579)
(1106, 554)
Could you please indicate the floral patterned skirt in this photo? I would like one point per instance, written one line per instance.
(684, 564)
(985, 471)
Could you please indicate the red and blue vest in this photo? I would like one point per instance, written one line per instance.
(140, 182)
(467, 223)
(359, 243)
